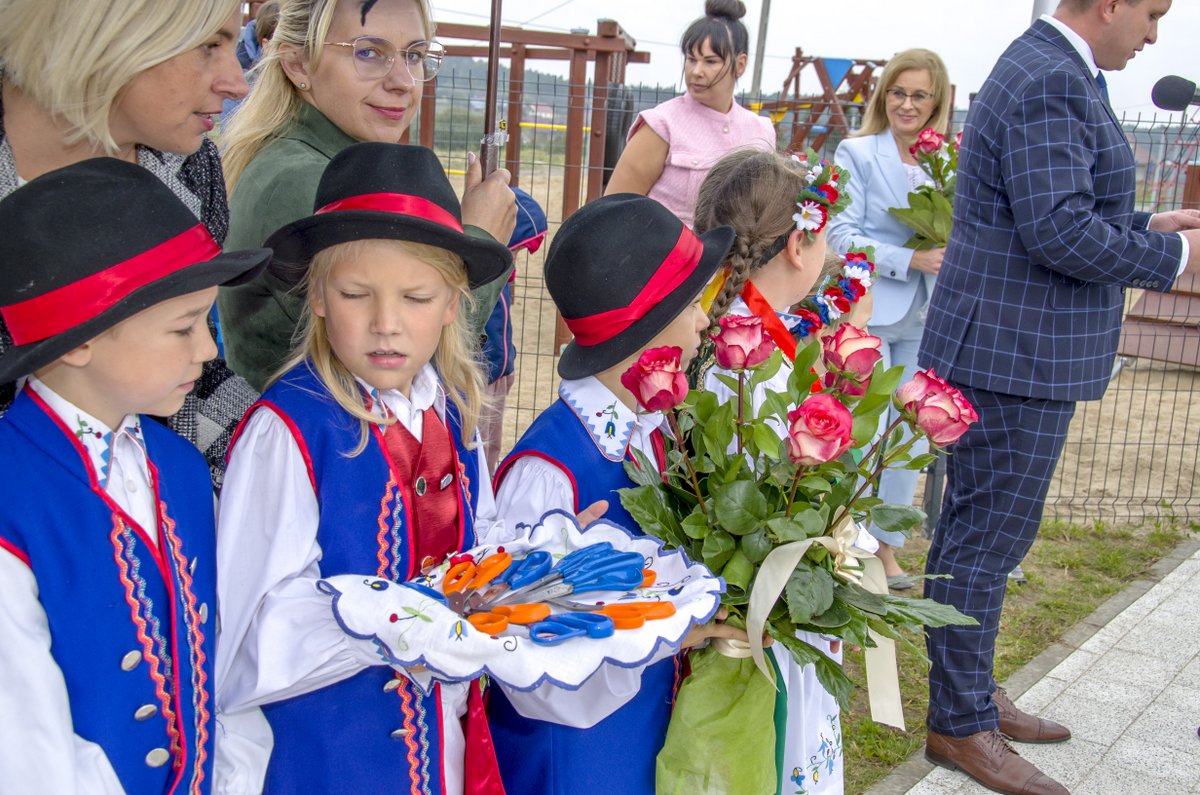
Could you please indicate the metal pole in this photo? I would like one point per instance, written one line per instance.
(756, 86)
(493, 136)
(1043, 7)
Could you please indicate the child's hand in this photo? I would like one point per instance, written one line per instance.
(717, 629)
(591, 513)
(489, 203)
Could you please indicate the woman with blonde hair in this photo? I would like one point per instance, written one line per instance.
(335, 72)
(138, 80)
(913, 94)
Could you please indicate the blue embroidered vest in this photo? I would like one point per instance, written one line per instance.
(616, 756)
(374, 731)
(129, 624)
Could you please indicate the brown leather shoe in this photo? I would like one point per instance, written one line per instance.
(1022, 727)
(989, 759)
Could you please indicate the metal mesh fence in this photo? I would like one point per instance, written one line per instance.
(1129, 457)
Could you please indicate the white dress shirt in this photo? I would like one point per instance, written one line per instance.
(40, 752)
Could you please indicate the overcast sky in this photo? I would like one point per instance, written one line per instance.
(968, 34)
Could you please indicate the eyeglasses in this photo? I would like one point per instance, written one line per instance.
(374, 57)
(899, 95)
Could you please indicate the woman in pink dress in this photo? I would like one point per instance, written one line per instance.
(672, 146)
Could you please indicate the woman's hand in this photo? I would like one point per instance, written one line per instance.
(928, 261)
(489, 203)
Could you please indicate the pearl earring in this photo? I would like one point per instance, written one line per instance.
(303, 86)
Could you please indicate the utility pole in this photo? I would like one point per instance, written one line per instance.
(759, 53)
(1043, 7)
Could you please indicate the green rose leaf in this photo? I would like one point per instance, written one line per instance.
(738, 573)
(799, 526)
(921, 461)
(767, 440)
(838, 615)
(740, 507)
(897, 518)
(652, 514)
(809, 593)
(756, 546)
(861, 598)
(695, 525)
(916, 612)
(718, 548)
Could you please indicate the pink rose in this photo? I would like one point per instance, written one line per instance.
(656, 380)
(929, 141)
(850, 356)
(939, 410)
(818, 430)
(742, 342)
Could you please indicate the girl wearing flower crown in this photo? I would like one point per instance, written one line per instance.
(361, 458)
(779, 207)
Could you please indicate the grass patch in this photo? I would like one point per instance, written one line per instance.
(1071, 569)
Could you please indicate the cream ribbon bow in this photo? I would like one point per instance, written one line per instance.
(853, 565)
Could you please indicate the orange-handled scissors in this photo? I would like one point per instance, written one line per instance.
(498, 618)
(467, 575)
(632, 615)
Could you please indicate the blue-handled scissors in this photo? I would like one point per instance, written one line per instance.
(559, 628)
(533, 568)
(621, 572)
(572, 561)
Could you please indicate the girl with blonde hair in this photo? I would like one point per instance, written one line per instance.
(361, 458)
(335, 72)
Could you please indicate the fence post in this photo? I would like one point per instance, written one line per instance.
(428, 114)
(516, 99)
(1191, 188)
(595, 183)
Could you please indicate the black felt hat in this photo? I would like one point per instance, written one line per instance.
(87, 246)
(376, 191)
(620, 269)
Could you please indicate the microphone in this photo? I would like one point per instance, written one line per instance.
(1174, 93)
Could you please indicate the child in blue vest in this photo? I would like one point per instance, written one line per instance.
(626, 275)
(107, 543)
(361, 458)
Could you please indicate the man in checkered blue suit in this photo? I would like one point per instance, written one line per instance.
(1025, 319)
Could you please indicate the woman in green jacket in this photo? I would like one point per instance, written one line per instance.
(336, 72)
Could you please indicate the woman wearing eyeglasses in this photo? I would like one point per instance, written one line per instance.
(336, 72)
(912, 94)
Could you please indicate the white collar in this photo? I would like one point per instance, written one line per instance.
(100, 441)
(609, 421)
(425, 392)
(1078, 42)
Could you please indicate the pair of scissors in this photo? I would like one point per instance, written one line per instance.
(559, 628)
(632, 615)
(523, 572)
(584, 569)
(498, 619)
(616, 573)
(466, 576)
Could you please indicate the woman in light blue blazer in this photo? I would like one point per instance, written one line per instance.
(912, 94)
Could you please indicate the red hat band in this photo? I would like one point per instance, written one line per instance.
(71, 305)
(399, 203)
(674, 270)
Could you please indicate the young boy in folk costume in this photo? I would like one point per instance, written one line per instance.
(361, 458)
(626, 276)
(778, 206)
(107, 559)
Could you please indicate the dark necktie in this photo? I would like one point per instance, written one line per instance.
(1103, 84)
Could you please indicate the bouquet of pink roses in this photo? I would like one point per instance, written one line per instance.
(930, 207)
(770, 498)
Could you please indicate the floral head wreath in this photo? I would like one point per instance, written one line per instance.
(839, 292)
(824, 195)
